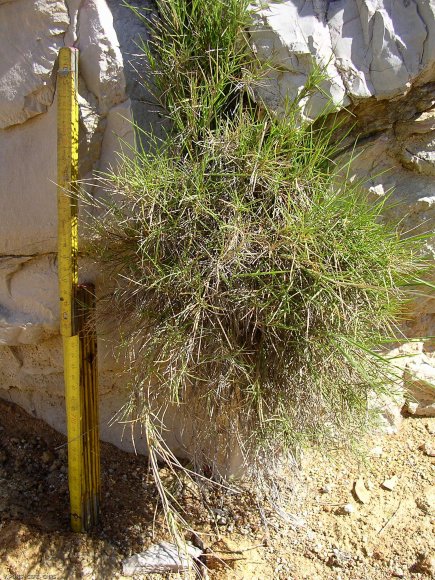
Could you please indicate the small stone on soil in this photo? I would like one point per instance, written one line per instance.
(348, 508)
(160, 558)
(376, 451)
(429, 449)
(327, 488)
(391, 483)
(47, 457)
(361, 492)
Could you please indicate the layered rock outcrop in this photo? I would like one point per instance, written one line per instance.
(380, 60)
(31, 33)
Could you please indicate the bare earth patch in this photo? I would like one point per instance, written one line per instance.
(324, 527)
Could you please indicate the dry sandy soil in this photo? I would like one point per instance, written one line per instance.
(311, 534)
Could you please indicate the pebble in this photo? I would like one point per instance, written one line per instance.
(361, 492)
(47, 457)
(327, 488)
(398, 573)
(342, 556)
(370, 485)
(391, 483)
(349, 508)
(376, 451)
(426, 501)
(318, 548)
(429, 449)
(430, 427)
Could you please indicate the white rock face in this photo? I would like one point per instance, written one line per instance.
(368, 48)
(101, 62)
(379, 56)
(31, 34)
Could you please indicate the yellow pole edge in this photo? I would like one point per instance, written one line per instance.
(67, 174)
(71, 349)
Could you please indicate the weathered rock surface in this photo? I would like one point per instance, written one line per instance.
(369, 48)
(31, 34)
(420, 381)
(101, 62)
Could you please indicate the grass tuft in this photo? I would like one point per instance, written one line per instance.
(254, 284)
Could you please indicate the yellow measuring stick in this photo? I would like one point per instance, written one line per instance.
(81, 394)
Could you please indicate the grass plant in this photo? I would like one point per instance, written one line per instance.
(253, 282)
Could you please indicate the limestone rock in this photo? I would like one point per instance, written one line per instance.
(31, 34)
(367, 47)
(420, 381)
(389, 408)
(361, 492)
(291, 35)
(426, 500)
(348, 508)
(391, 483)
(118, 136)
(418, 154)
(429, 449)
(131, 32)
(161, 558)
(101, 62)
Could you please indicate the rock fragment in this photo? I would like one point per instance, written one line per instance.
(161, 558)
(426, 501)
(348, 508)
(429, 449)
(361, 492)
(291, 519)
(376, 451)
(339, 558)
(391, 483)
(327, 488)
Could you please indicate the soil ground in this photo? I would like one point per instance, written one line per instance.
(312, 533)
